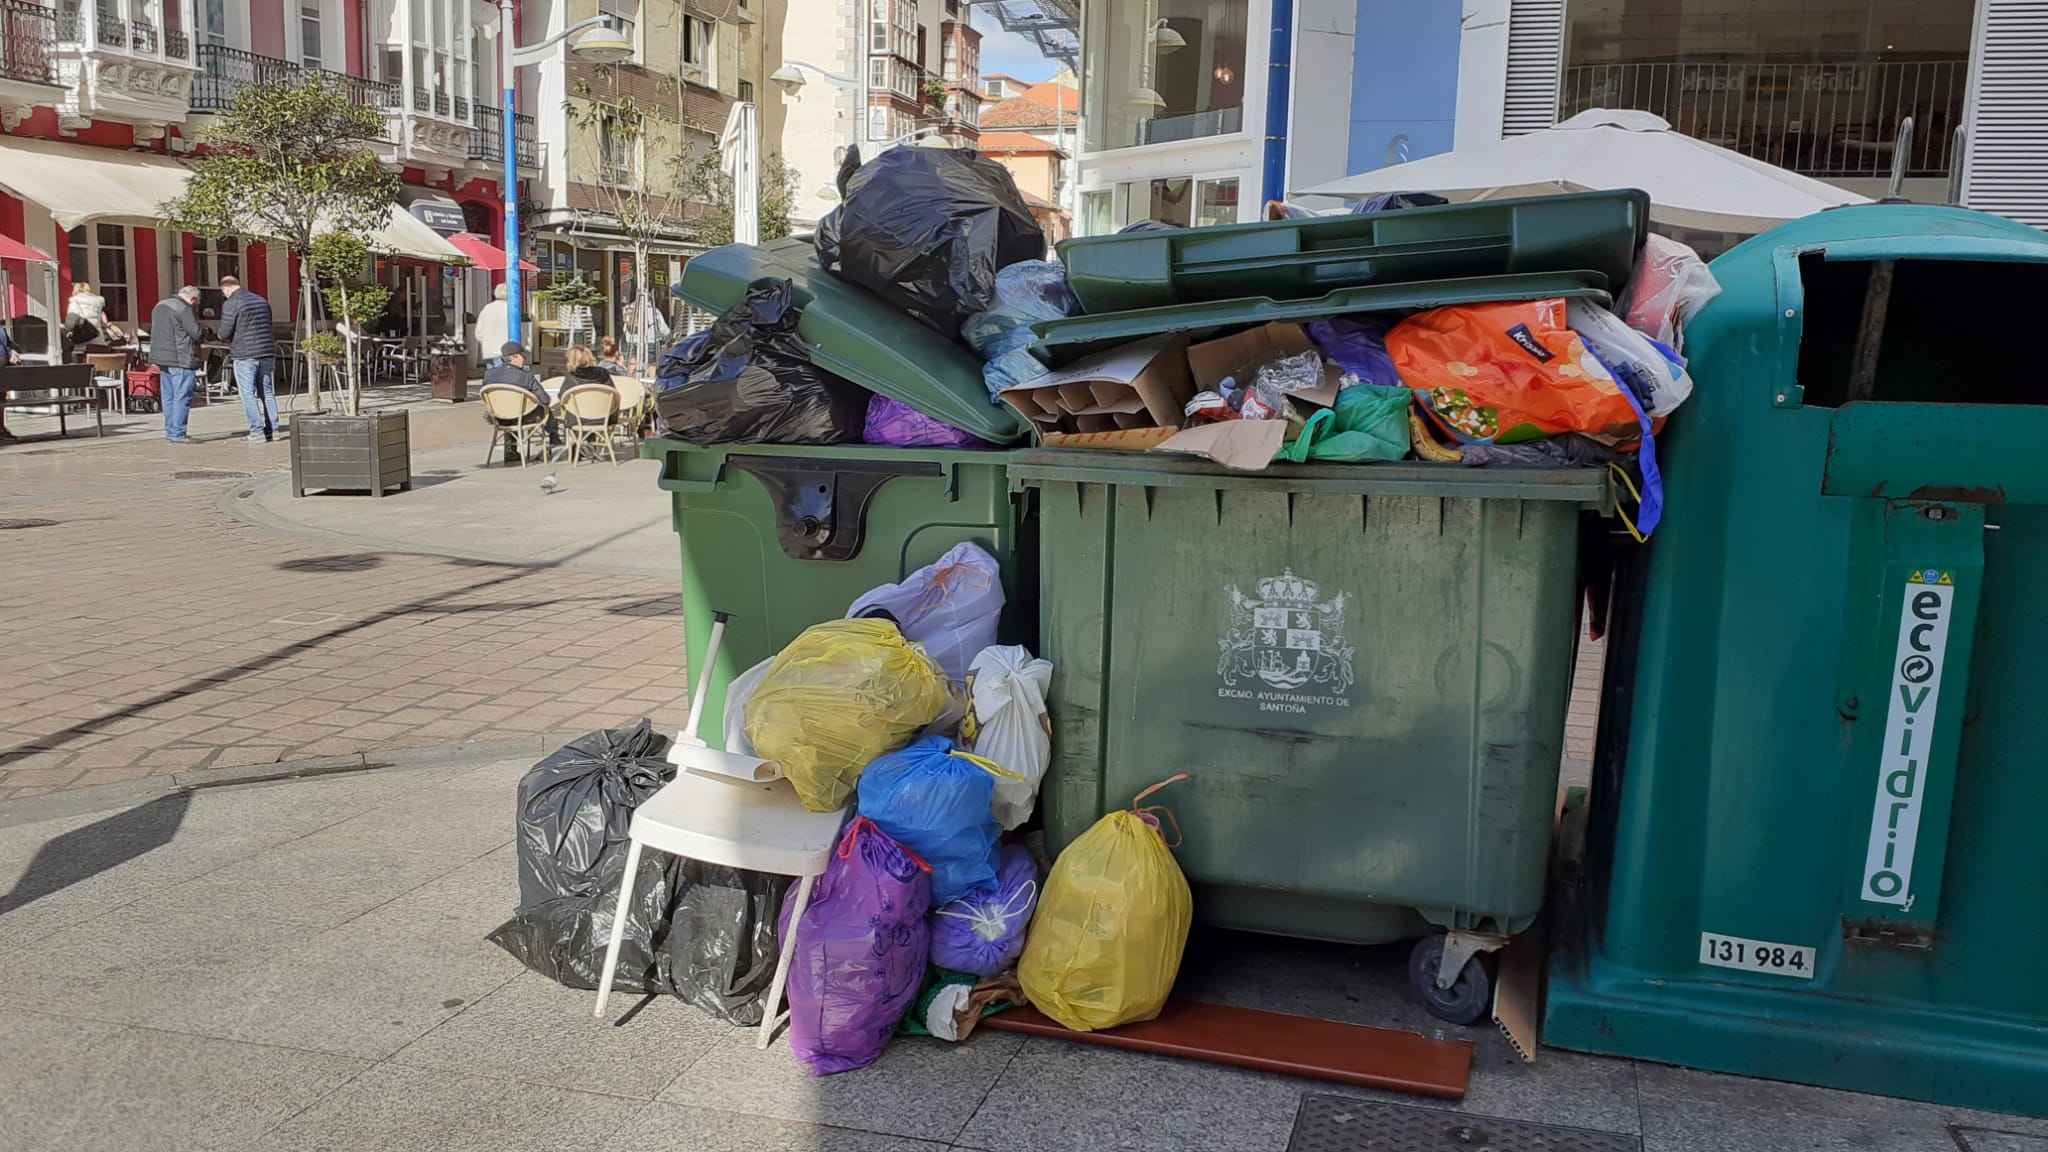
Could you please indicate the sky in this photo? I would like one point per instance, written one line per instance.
(1010, 55)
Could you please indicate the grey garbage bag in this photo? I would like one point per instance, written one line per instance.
(721, 950)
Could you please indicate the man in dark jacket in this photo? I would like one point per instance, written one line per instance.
(511, 369)
(245, 325)
(174, 348)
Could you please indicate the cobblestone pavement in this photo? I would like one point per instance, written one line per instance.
(145, 631)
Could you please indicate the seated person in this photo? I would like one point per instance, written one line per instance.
(511, 369)
(608, 357)
(583, 368)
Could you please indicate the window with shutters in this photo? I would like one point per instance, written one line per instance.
(1816, 86)
(2005, 170)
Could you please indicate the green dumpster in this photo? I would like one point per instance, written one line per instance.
(1364, 670)
(1814, 849)
(787, 537)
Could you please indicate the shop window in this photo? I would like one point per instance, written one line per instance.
(1181, 201)
(1819, 87)
(99, 257)
(1164, 71)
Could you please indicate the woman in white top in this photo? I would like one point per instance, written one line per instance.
(493, 326)
(86, 316)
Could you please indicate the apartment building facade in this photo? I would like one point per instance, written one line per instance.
(872, 73)
(1198, 111)
(103, 98)
(603, 185)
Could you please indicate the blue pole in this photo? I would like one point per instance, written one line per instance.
(1278, 88)
(510, 190)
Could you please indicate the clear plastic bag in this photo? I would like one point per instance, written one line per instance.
(1671, 284)
(1652, 372)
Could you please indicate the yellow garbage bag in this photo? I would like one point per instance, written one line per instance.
(842, 693)
(1112, 922)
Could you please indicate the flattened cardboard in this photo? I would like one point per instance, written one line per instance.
(1243, 445)
(1122, 398)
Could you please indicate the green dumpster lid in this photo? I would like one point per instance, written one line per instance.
(1290, 259)
(1077, 336)
(851, 331)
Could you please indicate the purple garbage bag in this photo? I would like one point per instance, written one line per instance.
(1358, 345)
(983, 932)
(860, 949)
(894, 422)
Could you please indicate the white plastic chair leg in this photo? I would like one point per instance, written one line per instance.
(772, 1014)
(611, 952)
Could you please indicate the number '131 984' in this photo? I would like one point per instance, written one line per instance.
(1756, 956)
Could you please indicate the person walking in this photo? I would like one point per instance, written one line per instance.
(174, 349)
(7, 356)
(493, 327)
(252, 346)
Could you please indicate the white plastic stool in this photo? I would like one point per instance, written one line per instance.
(740, 824)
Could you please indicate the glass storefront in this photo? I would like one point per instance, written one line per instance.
(1163, 70)
(1817, 86)
(1179, 201)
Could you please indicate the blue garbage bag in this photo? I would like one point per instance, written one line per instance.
(935, 800)
(1026, 292)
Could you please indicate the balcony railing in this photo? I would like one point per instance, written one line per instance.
(422, 100)
(441, 104)
(27, 30)
(224, 72)
(366, 93)
(1821, 119)
(142, 37)
(461, 109)
(488, 141)
(177, 45)
(113, 31)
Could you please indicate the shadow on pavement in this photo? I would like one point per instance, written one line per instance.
(83, 853)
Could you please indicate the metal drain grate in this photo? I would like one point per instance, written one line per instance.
(1337, 1124)
(209, 474)
(31, 522)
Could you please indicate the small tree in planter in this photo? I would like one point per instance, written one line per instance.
(351, 450)
(289, 162)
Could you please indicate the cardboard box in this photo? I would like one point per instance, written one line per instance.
(1128, 398)
(1212, 360)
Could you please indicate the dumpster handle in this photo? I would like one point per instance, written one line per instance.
(681, 484)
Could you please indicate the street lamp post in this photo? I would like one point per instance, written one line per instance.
(600, 45)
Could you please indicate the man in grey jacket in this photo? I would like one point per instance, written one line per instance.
(245, 326)
(174, 348)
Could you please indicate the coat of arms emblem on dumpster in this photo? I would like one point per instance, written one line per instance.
(1288, 637)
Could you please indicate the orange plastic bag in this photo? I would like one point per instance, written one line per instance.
(1509, 373)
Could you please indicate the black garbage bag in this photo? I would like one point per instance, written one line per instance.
(564, 938)
(927, 229)
(721, 951)
(747, 380)
(575, 808)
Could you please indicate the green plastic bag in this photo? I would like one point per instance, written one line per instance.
(1369, 422)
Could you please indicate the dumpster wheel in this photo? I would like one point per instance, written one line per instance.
(1468, 998)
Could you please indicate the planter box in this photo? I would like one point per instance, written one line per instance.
(370, 453)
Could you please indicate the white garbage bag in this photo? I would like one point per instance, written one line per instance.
(1007, 724)
(950, 607)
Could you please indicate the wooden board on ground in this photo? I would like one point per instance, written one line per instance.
(1275, 1042)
